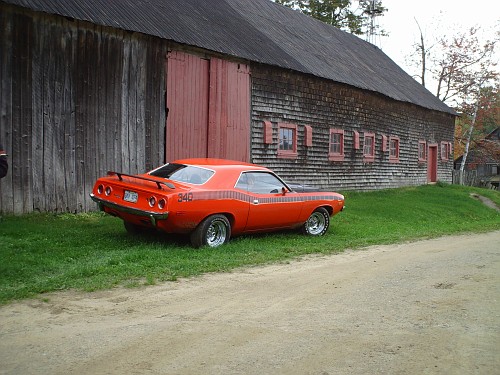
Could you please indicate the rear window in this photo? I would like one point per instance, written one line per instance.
(183, 173)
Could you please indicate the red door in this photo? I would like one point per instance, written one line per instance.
(432, 163)
(229, 110)
(187, 103)
(209, 108)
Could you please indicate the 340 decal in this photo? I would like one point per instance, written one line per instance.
(186, 197)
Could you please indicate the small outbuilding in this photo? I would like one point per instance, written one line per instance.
(88, 86)
(482, 165)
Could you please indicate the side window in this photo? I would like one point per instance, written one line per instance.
(445, 150)
(259, 183)
(422, 151)
(242, 182)
(336, 149)
(394, 149)
(369, 147)
(287, 140)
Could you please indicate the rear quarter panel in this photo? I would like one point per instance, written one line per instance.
(188, 209)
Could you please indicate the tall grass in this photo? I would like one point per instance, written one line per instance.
(41, 253)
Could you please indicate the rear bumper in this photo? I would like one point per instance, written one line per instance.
(153, 216)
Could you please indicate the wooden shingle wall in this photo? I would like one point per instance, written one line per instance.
(76, 100)
(284, 96)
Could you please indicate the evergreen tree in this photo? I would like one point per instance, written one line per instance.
(348, 15)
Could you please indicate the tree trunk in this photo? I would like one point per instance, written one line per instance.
(467, 142)
(422, 53)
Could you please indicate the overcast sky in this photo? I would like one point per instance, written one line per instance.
(435, 17)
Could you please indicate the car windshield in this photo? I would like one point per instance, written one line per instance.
(183, 173)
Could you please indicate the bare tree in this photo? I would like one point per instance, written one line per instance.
(464, 66)
(470, 110)
(423, 54)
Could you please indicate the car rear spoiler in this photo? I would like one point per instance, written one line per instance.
(158, 183)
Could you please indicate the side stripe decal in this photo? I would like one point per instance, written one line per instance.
(240, 196)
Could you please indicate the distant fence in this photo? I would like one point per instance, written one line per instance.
(468, 178)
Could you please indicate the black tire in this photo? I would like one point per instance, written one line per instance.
(214, 231)
(317, 224)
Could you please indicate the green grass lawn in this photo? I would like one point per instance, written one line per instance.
(41, 253)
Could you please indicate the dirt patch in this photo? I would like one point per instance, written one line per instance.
(430, 307)
(487, 201)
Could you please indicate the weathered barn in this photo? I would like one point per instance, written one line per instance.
(88, 86)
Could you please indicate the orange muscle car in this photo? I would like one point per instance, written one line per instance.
(212, 200)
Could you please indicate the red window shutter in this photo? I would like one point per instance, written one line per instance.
(356, 140)
(268, 132)
(308, 139)
(384, 143)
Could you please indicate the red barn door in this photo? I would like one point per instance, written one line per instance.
(229, 110)
(209, 108)
(187, 103)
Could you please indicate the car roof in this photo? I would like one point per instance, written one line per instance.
(227, 172)
(220, 164)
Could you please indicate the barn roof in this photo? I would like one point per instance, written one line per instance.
(256, 30)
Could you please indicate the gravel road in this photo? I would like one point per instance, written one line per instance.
(428, 307)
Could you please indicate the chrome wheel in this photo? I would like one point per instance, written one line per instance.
(216, 233)
(317, 224)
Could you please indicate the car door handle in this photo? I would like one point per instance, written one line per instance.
(255, 201)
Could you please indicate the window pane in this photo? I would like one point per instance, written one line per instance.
(286, 139)
(394, 148)
(260, 183)
(368, 150)
(336, 143)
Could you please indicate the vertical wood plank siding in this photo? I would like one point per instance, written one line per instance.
(283, 96)
(76, 100)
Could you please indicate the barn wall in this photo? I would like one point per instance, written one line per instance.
(76, 100)
(283, 96)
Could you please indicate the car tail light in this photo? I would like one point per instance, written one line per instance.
(107, 191)
(162, 203)
(100, 189)
(152, 201)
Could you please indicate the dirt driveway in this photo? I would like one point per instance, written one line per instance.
(430, 307)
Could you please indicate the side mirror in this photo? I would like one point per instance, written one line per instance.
(283, 190)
